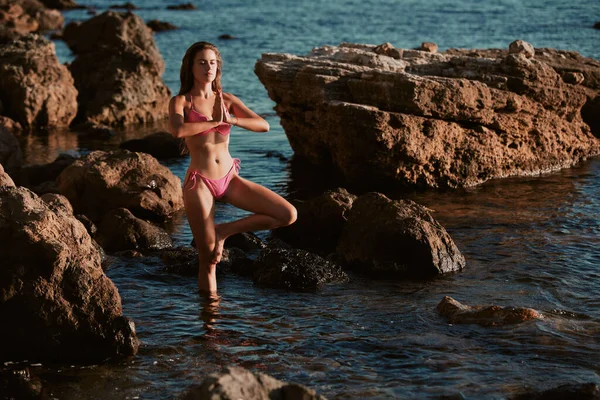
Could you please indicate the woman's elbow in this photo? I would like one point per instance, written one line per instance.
(266, 127)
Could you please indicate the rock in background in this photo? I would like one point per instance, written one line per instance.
(56, 304)
(117, 70)
(383, 116)
(36, 90)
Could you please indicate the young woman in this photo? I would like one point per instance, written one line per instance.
(202, 114)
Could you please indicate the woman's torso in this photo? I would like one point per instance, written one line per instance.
(209, 150)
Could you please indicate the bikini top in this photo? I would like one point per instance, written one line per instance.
(195, 116)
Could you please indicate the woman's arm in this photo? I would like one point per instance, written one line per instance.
(243, 116)
(177, 125)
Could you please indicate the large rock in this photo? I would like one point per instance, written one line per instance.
(295, 269)
(320, 221)
(239, 383)
(396, 239)
(5, 179)
(56, 304)
(102, 181)
(159, 144)
(458, 313)
(413, 118)
(579, 391)
(120, 230)
(32, 176)
(10, 151)
(30, 62)
(27, 16)
(117, 70)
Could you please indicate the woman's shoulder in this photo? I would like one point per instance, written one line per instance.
(230, 97)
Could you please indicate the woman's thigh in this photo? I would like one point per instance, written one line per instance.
(200, 207)
(257, 199)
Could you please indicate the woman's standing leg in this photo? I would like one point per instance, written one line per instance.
(200, 209)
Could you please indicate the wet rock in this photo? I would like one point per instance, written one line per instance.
(160, 145)
(295, 269)
(52, 283)
(20, 384)
(117, 70)
(10, 151)
(30, 61)
(180, 260)
(246, 241)
(125, 6)
(161, 26)
(441, 120)
(121, 230)
(238, 383)
(458, 313)
(13, 126)
(5, 179)
(186, 6)
(102, 181)
(320, 221)
(237, 261)
(580, 391)
(226, 36)
(396, 239)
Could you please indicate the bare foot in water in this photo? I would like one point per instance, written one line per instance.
(218, 252)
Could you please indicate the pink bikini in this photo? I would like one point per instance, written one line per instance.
(217, 187)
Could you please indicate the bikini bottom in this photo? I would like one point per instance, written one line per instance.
(217, 187)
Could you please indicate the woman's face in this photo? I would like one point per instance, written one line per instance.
(205, 66)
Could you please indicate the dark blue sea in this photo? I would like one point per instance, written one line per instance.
(531, 242)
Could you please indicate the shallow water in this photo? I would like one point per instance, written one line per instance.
(531, 242)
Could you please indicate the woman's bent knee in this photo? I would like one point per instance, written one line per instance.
(288, 216)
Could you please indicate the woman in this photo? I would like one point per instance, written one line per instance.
(202, 114)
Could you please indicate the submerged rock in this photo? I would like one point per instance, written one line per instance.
(413, 118)
(160, 26)
(102, 181)
(239, 383)
(117, 70)
(30, 62)
(396, 239)
(295, 269)
(458, 313)
(56, 304)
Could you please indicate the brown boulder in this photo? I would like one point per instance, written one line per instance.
(5, 179)
(320, 221)
(431, 120)
(396, 239)
(55, 301)
(120, 230)
(10, 151)
(117, 70)
(27, 16)
(458, 313)
(30, 62)
(101, 181)
(239, 383)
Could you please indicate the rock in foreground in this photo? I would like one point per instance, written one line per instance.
(383, 116)
(56, 304)
(396, 239)
(239, 383)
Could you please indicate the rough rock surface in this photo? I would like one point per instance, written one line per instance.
(52, 283)
(21, 17)
(121, 230)
(414, 118)
(30, 62)
(10, 151)
(5, 179)
(160, 145)
(458, 313)
(101, 181)
(295, 269)
(117, 70)
(239, 383)
(320, 221)
(580, 391)
(396, 239)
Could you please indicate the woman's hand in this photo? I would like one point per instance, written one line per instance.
(219, 114)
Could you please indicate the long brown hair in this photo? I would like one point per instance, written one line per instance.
(187, 76)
